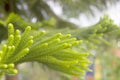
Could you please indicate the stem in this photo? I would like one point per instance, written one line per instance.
(12, 77)
(1, 76)
(15, 77)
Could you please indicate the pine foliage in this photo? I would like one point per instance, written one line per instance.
(67, 51)
(57, 51)
(55, 43)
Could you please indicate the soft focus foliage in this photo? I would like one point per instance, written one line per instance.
(53, 41)
(58, 51)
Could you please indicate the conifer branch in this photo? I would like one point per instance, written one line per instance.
(57, 51)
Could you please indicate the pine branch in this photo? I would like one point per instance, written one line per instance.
(59, 50)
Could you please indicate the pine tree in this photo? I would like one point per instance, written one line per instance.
(53, 42)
